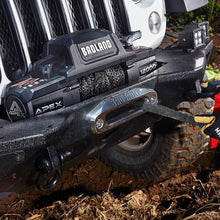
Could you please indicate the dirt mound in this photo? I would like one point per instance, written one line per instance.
(180, 197)
(89, 178)
(93, 191)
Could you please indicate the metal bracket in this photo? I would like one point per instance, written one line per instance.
(120, 108)
(211, 90)
(129, 39)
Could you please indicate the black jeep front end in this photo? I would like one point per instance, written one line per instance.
(86, 91)
(45, 143)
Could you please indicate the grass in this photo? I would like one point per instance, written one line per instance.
(212, 74)
(209, 13)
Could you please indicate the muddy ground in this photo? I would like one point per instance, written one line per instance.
(93, 191)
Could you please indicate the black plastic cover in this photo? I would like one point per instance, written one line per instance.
(184, 5)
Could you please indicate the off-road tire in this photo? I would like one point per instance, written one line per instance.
(172, 147)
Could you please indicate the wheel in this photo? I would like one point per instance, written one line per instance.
(159, 151)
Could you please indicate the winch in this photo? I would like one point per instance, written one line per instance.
(75, 67)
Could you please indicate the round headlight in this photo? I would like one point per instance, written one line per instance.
(154, 22)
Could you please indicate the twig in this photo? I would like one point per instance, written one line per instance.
(184, 195)
(207, 205)
(17, 205)
(34, 217)
(99, 211)
(212, 184)
(6, 215)
(210, 204)
(197, 180)
(74, 207)
(171, 206)
(109, 186)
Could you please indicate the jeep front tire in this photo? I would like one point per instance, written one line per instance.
(157, 152)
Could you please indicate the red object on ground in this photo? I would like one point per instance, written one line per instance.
(213, 143)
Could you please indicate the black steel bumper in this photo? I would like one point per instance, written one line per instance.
(72, 131)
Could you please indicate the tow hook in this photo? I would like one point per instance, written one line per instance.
(49, 168)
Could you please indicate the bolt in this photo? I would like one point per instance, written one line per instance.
(18, 157)
(153, 99)
(147, 99)
(99, 124)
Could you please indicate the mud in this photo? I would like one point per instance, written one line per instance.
(93, 191)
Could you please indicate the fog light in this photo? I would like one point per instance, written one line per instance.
(193, 36)
(199, 37)
(205, 26)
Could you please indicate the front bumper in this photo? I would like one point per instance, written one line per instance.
(71, 130)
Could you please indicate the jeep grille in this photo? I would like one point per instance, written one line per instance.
(27, 24)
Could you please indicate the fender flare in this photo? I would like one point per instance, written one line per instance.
(184, 5)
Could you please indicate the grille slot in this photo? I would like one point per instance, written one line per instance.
(77, 15)
(54, 14)
(121, 24)
(100, 15)
(10, 51)
(35, 41)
